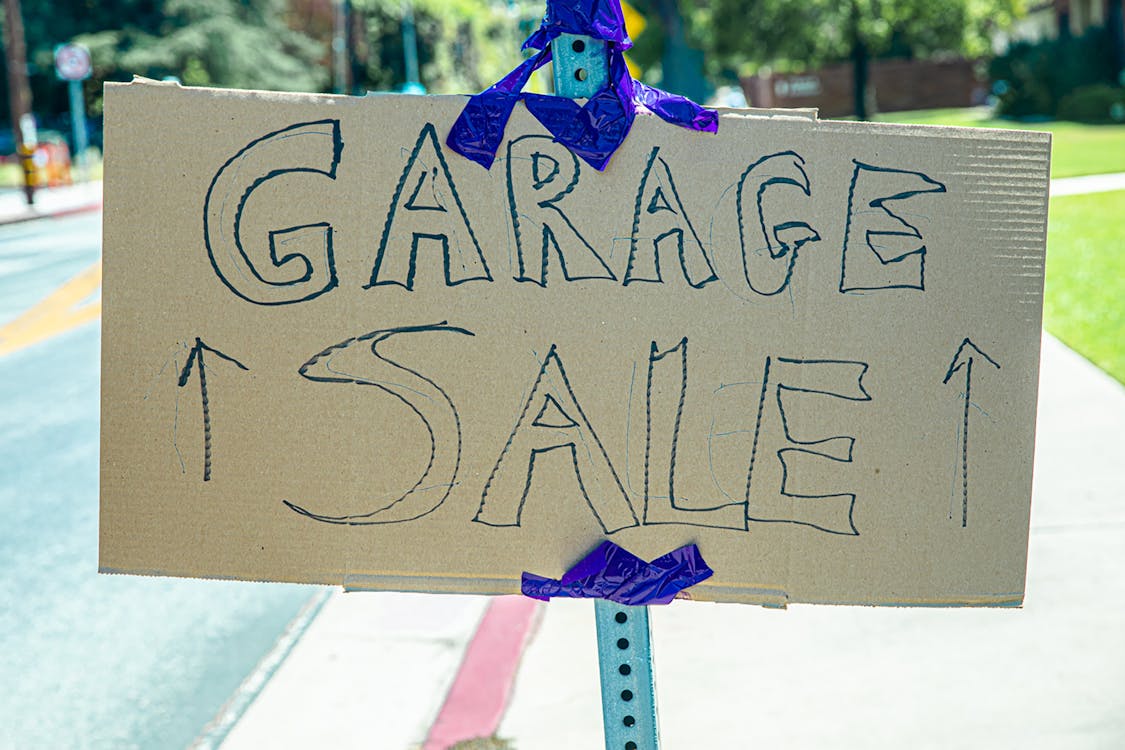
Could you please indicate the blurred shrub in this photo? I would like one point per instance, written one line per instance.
(1098, 103)
(1032, 78)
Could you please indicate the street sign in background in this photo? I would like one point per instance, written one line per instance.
(73, 65)
(72, 62)
(335, 351)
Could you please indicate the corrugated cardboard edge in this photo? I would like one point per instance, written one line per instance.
(764, 595)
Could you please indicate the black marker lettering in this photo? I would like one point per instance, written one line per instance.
(769, 250)
(552, 419)
(665, 397)
(426, 215)
(881, 249)
(292, 274)
(422, 398)
(660, 221)
(541, 173)
(773, 488)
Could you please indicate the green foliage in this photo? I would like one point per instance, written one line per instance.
(463, 45)
(1033, 77)
(1100, 103)
(474, 43)
(792, 34)
(50, 23)
(235, 43)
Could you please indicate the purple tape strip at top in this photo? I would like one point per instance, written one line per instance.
(612, 572)
(593, 131)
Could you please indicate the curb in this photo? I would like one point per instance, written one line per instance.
(479, 696)
(32, 214)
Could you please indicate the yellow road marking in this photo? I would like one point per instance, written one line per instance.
(58, 312)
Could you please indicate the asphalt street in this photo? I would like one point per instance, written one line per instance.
(89, 660)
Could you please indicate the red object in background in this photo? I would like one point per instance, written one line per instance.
(51, 162)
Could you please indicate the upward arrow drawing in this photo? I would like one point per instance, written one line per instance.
(966, 354)
(196, 358)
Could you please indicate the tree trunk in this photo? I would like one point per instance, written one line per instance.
(19, 93)
(1115, 22)
(859, 77)
(859, 65)
(682, 66)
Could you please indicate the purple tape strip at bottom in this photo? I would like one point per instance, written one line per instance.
(612, 572)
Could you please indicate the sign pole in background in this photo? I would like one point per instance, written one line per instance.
(73, 65)
(78, 125)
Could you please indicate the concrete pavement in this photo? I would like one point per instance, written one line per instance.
(1093, 183)
(371, 671)
(58, 201)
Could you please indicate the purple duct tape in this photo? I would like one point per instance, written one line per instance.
(676, 109)
(601, 19)
(479, 129)
(612, 572)
(593, 131)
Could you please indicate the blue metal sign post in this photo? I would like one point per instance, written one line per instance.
(581, 65)
(581, 68)
(628, 689)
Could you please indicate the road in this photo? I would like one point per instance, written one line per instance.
(87, 660)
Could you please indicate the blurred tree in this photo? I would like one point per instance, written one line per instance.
(49, 23)
(669, 53)
(793, 34)
(235, 43)
(463, 45)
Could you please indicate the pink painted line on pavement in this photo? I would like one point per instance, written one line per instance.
(479, 696)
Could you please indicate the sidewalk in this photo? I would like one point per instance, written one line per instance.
(374, 669)
(371, 671)
(58, 201)
(1093, 183)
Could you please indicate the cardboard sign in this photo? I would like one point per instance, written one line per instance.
(335, 351)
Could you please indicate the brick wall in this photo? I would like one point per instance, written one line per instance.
(895, 85)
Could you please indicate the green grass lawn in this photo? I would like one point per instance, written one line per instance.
(1076, 149)
(1085, 295)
